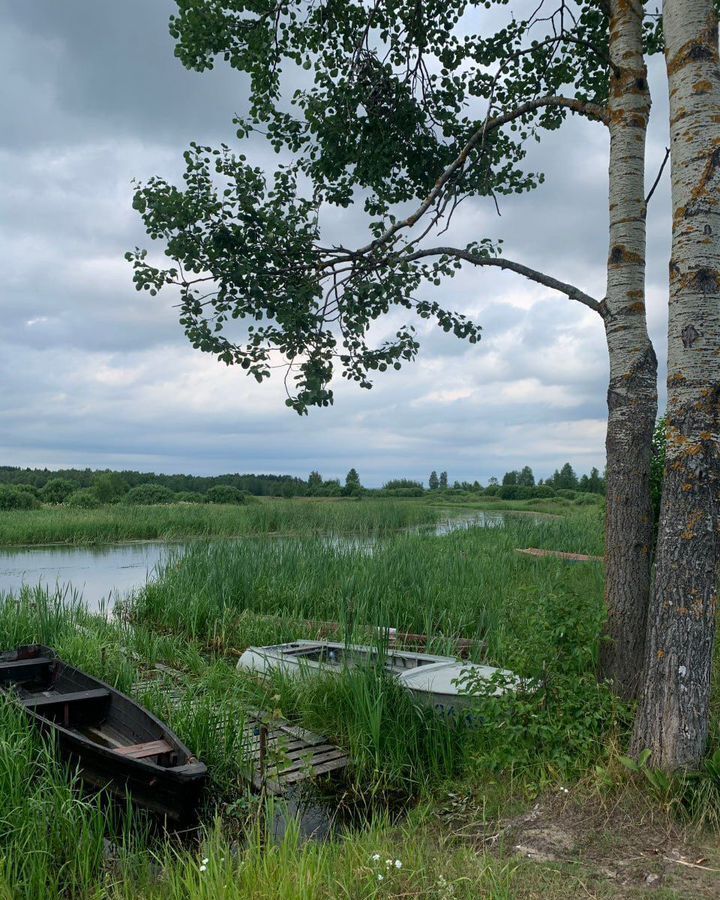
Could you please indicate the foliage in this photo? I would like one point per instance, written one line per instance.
(109, 486)
(225, 493)
(262, 485)
(657, 464)
(692, 795)
(396, 483)
(559, 717)
(148, 495)
(16, 498)
(57, 490)
(390, 103)
(84, 498)
(433, 481)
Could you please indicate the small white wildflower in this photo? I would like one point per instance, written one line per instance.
(388, 863)
(375, 857)
(203, 868)
(398, 864)
(381, 877)
(205, 861)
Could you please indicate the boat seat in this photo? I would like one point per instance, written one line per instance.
(142, 751)
(44, 700)
(20, 670)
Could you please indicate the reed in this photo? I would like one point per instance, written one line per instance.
(179, 521)
(461, 584)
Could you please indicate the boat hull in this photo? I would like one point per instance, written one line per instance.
(435, 681)
(113, 742)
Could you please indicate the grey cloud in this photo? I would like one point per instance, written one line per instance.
(94, 374)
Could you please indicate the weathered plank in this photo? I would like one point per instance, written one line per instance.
(292, 753)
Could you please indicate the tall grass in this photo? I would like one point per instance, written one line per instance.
(466, 583)
(122, 523)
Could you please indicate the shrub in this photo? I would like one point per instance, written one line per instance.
(567, 493)
(57, 490)
(12, 497)
(559, 719)
(402, 492)
(225, 493)
(588, 499)
(109, 486)
(149, 495)
(516, 492)
(30, 488)
(85, 498)
(543, 490)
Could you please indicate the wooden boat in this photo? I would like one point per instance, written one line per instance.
(116, 743)
(433, 680)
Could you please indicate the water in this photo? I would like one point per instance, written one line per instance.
(106, 573)
(102, 574)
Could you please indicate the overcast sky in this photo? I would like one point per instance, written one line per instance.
(94, 374)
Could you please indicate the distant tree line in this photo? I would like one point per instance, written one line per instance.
(25, 488)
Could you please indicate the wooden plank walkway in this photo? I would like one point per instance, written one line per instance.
(280, 755)
(559, 554)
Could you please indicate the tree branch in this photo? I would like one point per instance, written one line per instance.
(500, 262)
(590, 110)
(659, 176)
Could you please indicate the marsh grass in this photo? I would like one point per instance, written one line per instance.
(470, 583)
(540, 617)
(172, 522)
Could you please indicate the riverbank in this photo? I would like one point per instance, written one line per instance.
(536, 802)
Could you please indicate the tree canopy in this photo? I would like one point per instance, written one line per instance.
(395, 105)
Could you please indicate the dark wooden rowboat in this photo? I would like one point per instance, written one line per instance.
(116, 743)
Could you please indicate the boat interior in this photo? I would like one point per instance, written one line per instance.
(337, 654)
(68, 698)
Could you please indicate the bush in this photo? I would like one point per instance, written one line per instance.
(57, 490)
(559, 719)
(567, 493)
(402, 492)
(543, 490)
(492, 490)
(588, 500)
(109, 486)
(516, 492)
(225, 493)
(30, 488)
(12, 497)
(149, 495)
(85, 498)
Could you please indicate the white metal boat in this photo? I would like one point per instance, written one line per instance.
(431, 679)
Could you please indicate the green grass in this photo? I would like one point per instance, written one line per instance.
(540, 617)
(60, 524)
(469, 583)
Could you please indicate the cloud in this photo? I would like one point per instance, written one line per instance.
(95, 374)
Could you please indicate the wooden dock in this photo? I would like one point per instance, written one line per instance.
(280, 755)
(560, 554)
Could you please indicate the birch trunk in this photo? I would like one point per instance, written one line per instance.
(632, 394)
(673, 717)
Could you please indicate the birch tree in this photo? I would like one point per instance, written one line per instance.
(397, 105)
(674, 710)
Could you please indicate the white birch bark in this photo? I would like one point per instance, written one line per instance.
(632, 393)
(673, 716)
